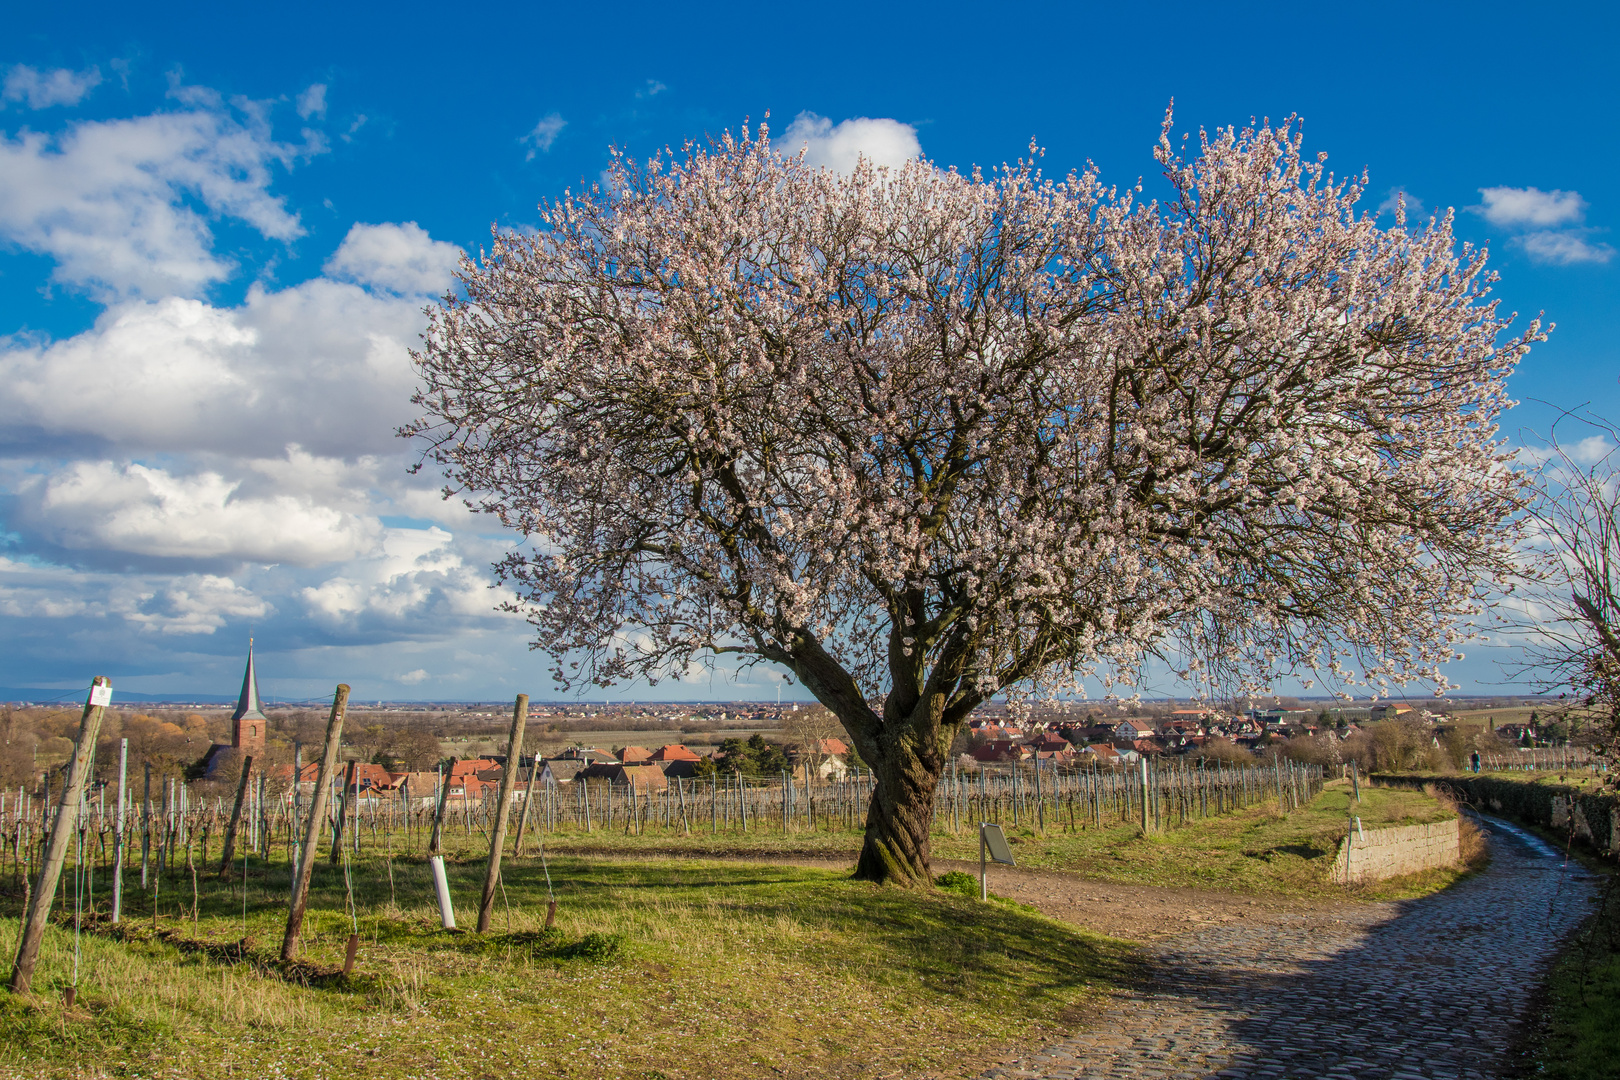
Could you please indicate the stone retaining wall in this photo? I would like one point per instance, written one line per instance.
(1589, 817)
(1384, 853)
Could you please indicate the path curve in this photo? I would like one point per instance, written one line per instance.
(1414, 990)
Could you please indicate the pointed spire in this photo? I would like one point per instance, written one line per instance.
(248, 706)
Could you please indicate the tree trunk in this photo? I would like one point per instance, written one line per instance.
(906, 747)
(907, 768)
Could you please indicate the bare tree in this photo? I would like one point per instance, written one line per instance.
(921, 438)
(1572, 605)
(807, 731)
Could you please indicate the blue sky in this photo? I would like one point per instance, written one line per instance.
(218, 228)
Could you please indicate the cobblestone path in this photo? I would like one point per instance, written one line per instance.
(1420, 989)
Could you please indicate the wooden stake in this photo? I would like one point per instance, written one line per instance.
(344, 796)
(528, 797)
(317, 811)
(348, 956)
(236, 818)
(435, 841)
(497, 839)
(67, 814)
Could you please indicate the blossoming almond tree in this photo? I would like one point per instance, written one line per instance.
(921, 437)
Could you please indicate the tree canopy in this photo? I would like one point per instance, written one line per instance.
(920, 437)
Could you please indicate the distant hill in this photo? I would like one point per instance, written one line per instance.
(36, 696)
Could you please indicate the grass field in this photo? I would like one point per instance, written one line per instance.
(675, 958)
(660, 969)
(1255, 850)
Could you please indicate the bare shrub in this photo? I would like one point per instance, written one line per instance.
(1219, 748)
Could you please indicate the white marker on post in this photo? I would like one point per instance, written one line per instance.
(441, 884)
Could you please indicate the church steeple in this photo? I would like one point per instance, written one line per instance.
(248, 722)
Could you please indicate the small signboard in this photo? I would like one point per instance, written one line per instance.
(995, 843)
(101, 694)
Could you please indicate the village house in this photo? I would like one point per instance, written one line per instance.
(561, 770)
(644, 778)
(1133, 728)
(1000, 750)
(590, 755)
(1047, 742)
(827, 758)
(672, 752)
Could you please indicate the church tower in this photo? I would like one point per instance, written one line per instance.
(248, 723)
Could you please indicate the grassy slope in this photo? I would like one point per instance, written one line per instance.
(726, 971)
(1254, 850)
(1579, 1034)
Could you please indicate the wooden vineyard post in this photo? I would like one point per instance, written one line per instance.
(341, 817)
(236, 818)
(293, 807)
(497, 839)
(436, 838)
(528, 797)
(67, 814)
(317, 811)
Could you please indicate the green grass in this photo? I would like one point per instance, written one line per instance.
(671, 968)
(1579, 1036)
(1255, 850)
(665, 962)
(1583, 1039)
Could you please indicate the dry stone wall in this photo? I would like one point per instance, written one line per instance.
(1384, 853)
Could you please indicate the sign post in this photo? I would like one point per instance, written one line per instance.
(992, 842)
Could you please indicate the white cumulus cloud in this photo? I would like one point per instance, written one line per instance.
(312, 102)
(196, 604)
(400, 258)
(323, 364)
(839, 146)
(1507, 206)
(412, 678)
(1564, 248)
(1548, 224)
(140, 510)
(41, 89)
(108, 200)
(412, 573)
(544, 134)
